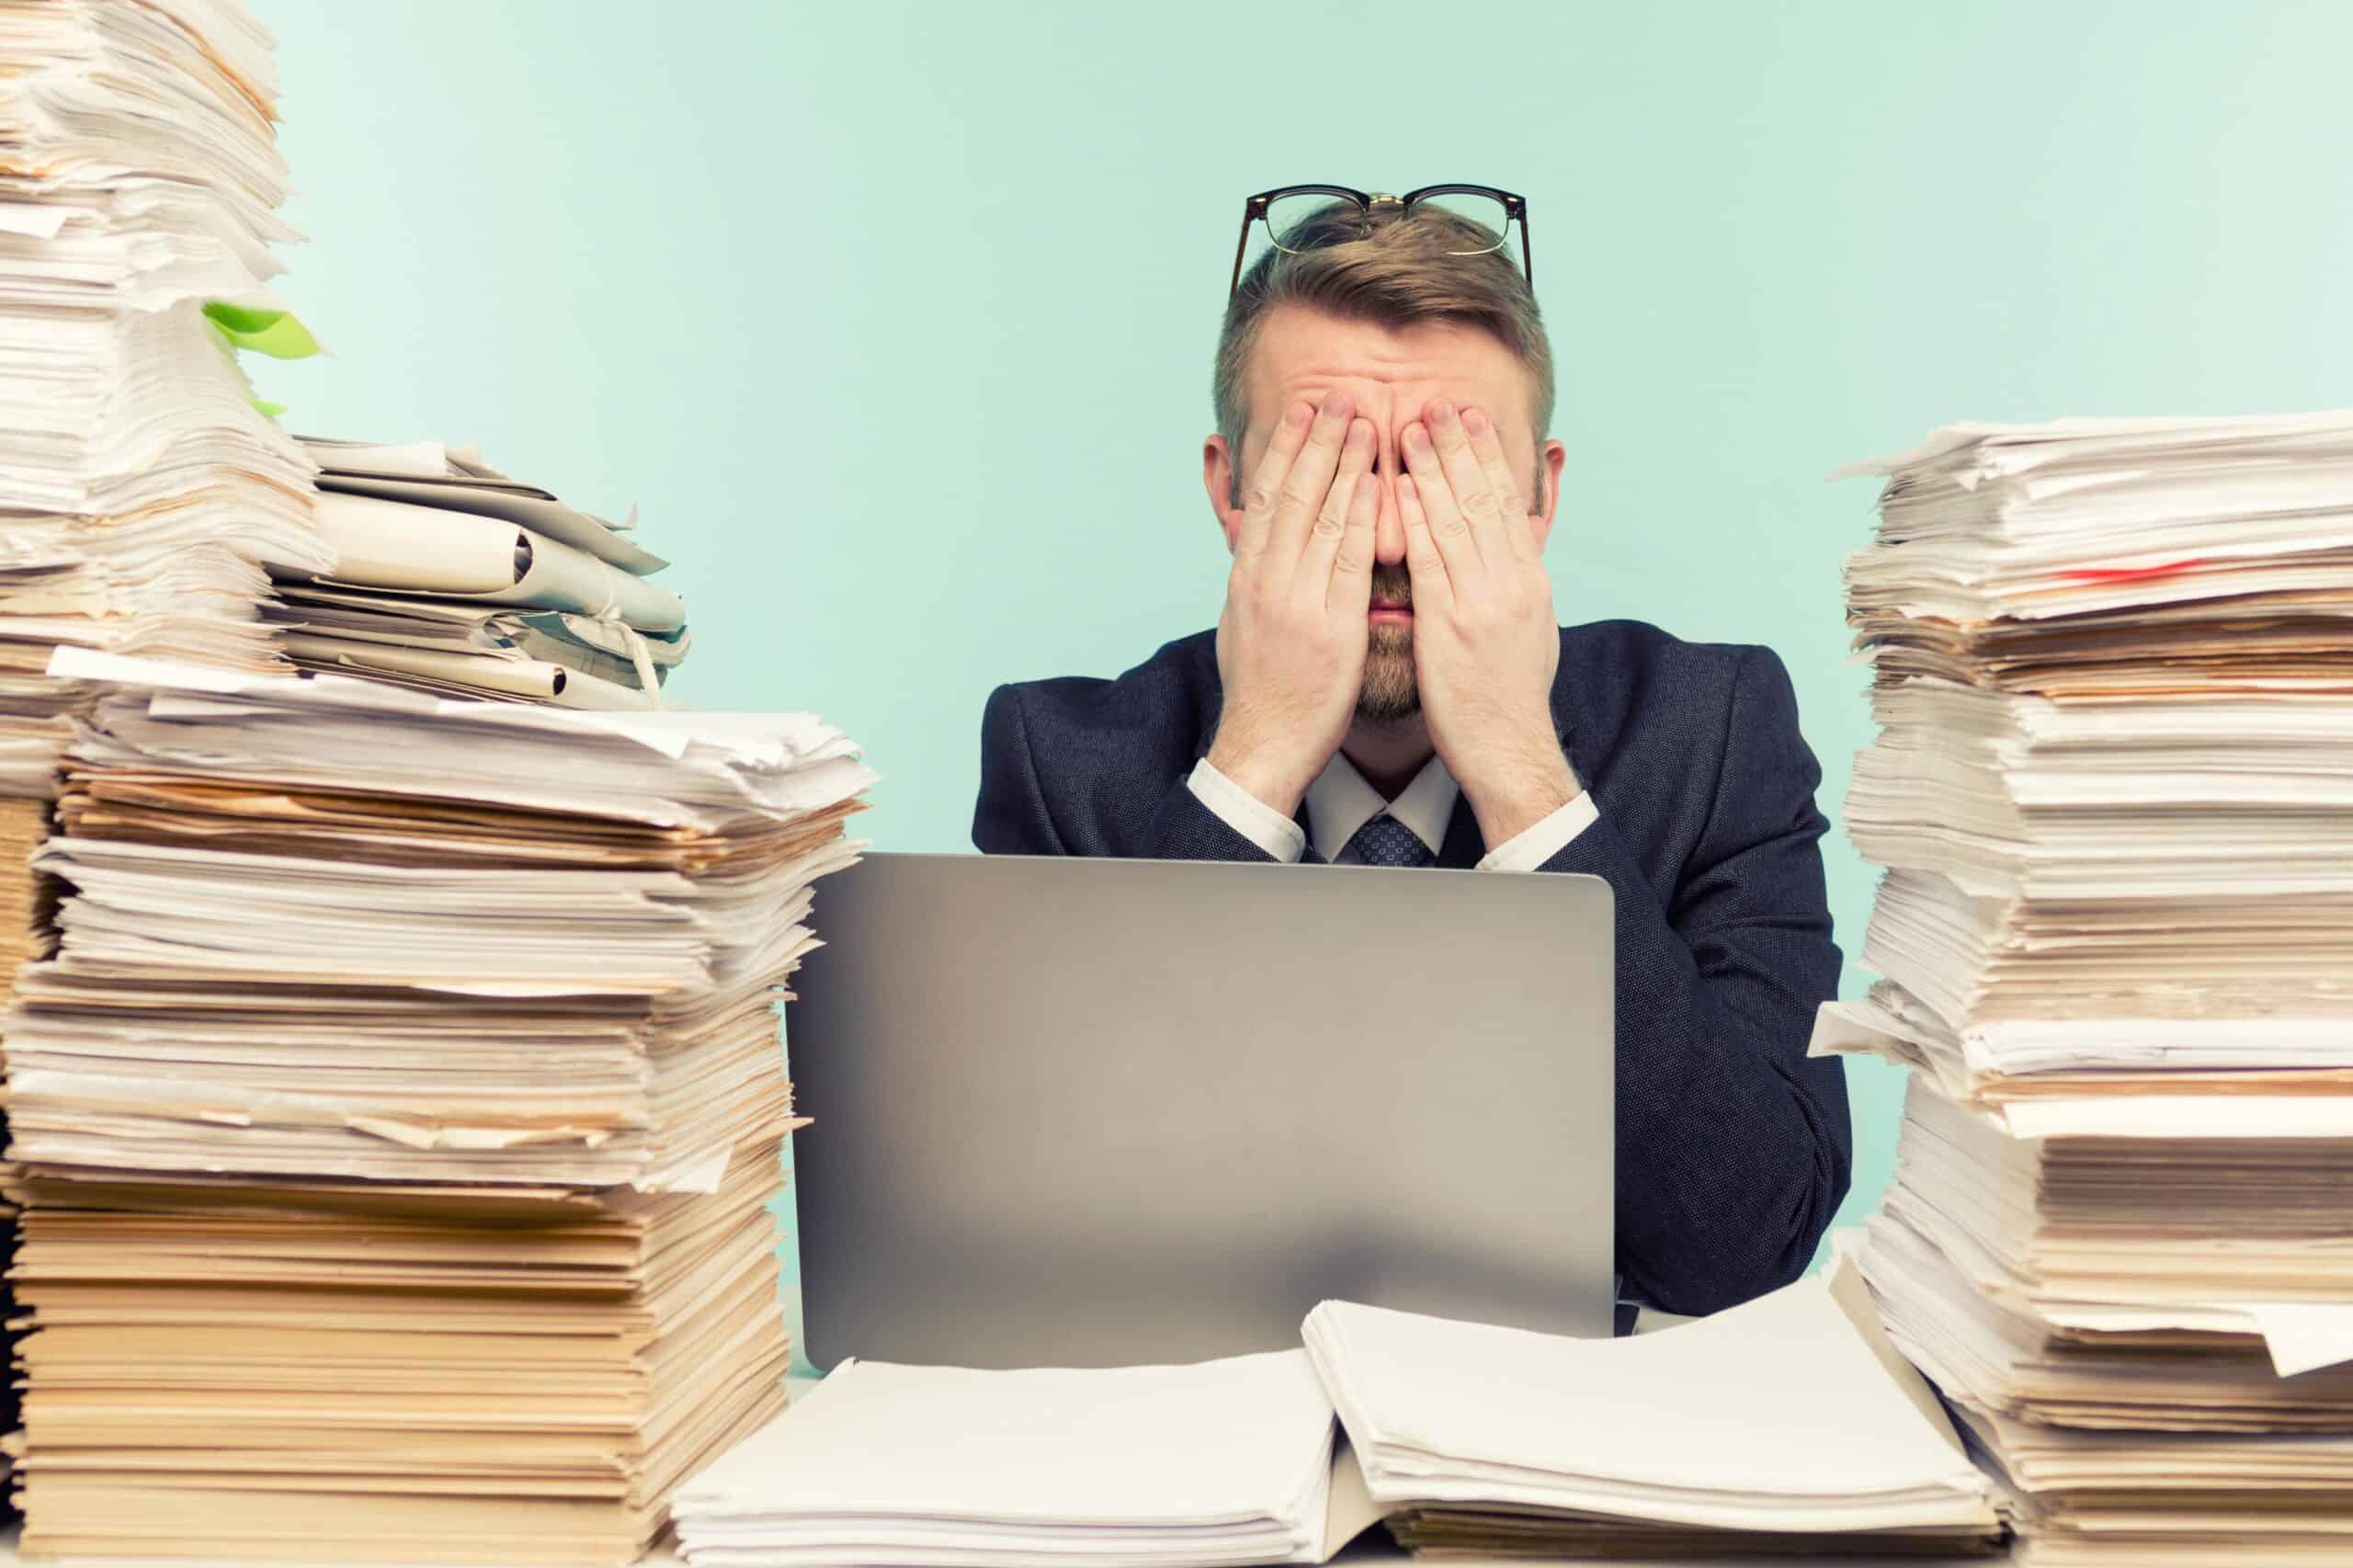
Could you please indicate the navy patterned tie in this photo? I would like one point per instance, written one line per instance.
(1385, 841)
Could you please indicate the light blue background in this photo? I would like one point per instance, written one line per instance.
(897, 318)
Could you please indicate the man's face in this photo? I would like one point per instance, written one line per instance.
(1390, 373)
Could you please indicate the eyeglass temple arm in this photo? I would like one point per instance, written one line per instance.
(1243, 245)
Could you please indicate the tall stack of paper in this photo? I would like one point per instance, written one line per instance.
(395, 1122)
(1782, 1425)
(141, 493)
(1226, 1461)
(451, 577)
(2114, 669)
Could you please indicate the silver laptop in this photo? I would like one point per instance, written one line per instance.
(1086, 1112)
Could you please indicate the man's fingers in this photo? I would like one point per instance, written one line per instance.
(1300, 494)
(1449, 530)
(1424, 561)
(1351, 558)
(1487, 446)
(1266, 480)
(1473, 493)
(1357, 453)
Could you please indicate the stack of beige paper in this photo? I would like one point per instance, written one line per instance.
(2114, 672)
(1783, 1426)
(24, 920)
(141, 492)
(387, 1371)
(451, 577)
(24, 936)
(395, 1124)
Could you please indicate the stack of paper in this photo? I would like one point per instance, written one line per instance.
(2207, 1200)
(2114, 669)
(514, 966)
(2115, 783)
(24, 936)
(2098, 1498)
(141, 492)
(1226, 1461)
(2008, 1345)
(384, 1372)
(451, 577)
(1780, 1426)
(24, 918)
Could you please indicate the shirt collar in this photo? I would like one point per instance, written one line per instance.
(1340, 802)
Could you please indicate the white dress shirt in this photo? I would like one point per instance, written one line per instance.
(1340, 802)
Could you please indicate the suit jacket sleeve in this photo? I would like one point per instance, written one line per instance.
(1734, 1150)
(1012, 818)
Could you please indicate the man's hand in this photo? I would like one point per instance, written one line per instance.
(1290, 644)
(1486, 645)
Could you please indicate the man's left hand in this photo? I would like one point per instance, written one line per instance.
(1486, 645)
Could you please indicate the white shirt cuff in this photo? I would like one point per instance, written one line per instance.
(1252, 817)
(1527, 850)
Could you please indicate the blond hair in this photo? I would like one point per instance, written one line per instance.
(1393, 269)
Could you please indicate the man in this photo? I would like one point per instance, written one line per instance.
(1387, 685)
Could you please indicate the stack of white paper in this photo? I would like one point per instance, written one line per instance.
(1778, 1425)
(451, 577)
(2163, 1499)
(396, 1121)
(322, 926)
(2114, 788)
(2114, 672)
(141, 493)
(2007, 1344)
(1227, 1462)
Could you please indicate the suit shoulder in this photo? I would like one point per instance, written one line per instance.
(1627, 684)
(1161, 696)
(1638, 654)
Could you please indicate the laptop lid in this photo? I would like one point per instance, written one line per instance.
(1093, 1112)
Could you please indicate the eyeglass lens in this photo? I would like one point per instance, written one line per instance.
(1290, 219)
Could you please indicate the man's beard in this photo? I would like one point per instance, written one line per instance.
(1389, 693)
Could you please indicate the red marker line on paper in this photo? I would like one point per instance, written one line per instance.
(2128, 574)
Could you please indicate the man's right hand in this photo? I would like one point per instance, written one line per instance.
(1290, 644)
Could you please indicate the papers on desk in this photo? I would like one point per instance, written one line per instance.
(144, 494)
(451, 577)
(1784, 1425)
(396, 1122)
(1227, 1462)
(2114, 672)
(1774, 1426)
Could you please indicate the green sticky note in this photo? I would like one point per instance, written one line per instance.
(269, 408)
(279, 334)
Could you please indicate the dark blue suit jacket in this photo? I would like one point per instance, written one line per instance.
(1734, 1149)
